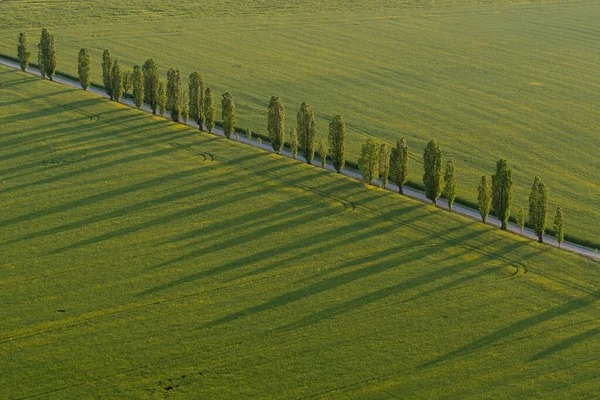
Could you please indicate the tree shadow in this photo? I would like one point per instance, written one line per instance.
(565, 344)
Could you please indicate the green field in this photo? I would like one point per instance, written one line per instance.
(513, 81)
(143, 259)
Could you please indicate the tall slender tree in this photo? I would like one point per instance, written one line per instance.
(137, 81)
(337, 142)
(384, 164)
(399, 164)
(47, 54)
(116, 81)
(368, 162)
(276, 123)
(538, 208)
(432, 176)
(484, 197)
(521, 219)
(559, 226)
(151, 84)
(107, 68)
(174, 93)
(228, 114)
(294, 142)
(185, 107)
(450, 186)
(323, 151)
(197, 89)
(248, 133)
(307, 131)
(502, 192)
(23, 52)
(161, 100)
(84, 63)
(127, 82)
(210, 110)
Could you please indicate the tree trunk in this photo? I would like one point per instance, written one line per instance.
(400, 190)
(503, 226)
(541, 238)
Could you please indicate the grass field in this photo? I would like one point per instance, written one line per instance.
(143, 259)
(518, 82)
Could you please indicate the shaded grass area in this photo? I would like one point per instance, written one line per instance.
(143, 259)
(517, 82)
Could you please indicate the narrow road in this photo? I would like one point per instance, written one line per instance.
(414, 194)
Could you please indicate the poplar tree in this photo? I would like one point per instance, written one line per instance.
(151, 84)
(185, 107)
(538, 208)
(502, 192)
(210, 111)
(23, 53)
(228, 114)
(197, 89)
(432, 176)
(450, 186)
(521, 219)
(276, 123)
(484, 197)
(384, 164)
(174, 93)
(323, 150)
(248, 133)
(116, 81)
(107, 67)
(307, 131)
(337, 142)
(399, 164)
(137, 81)
(127, 82)
(84, 62)
(294, 142)
(47, 54)
(368, 162)
(559, 226)
(161, 99)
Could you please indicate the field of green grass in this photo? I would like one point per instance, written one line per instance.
(144, 259)
(512, 81)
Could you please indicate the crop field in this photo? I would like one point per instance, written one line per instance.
(500, 80)
(144, 259)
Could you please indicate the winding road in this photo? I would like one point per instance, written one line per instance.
(411, 193)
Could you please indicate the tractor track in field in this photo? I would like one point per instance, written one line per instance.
(408, 192)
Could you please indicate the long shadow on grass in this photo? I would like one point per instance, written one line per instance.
(567, 343)
(29, 99)
(55, 109)
(571, 306)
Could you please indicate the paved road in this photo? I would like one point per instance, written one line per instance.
(414, 194)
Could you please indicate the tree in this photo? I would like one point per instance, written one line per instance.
(197, 89)
(384, 164)
(84, 62)
(399, 164)
(174, 93)
(450, 184)
(161, 99)
(337, 142)
(294, 142)
(432, 165)
(521, 219)
(151, 84)
(368, 162)
(185, 107)
(559, 226)
(484, 197)
(210, 111)
(276, 123)
(116, 81)
(228, 114)
(137, 81)
(23, 53)
(538, 208)
(307, 131)
(127, 82)
(248, 133)
(107, 68)
(502, 192)
(323, 150)
(47, 54)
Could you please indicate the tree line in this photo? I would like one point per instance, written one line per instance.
(376, 161)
